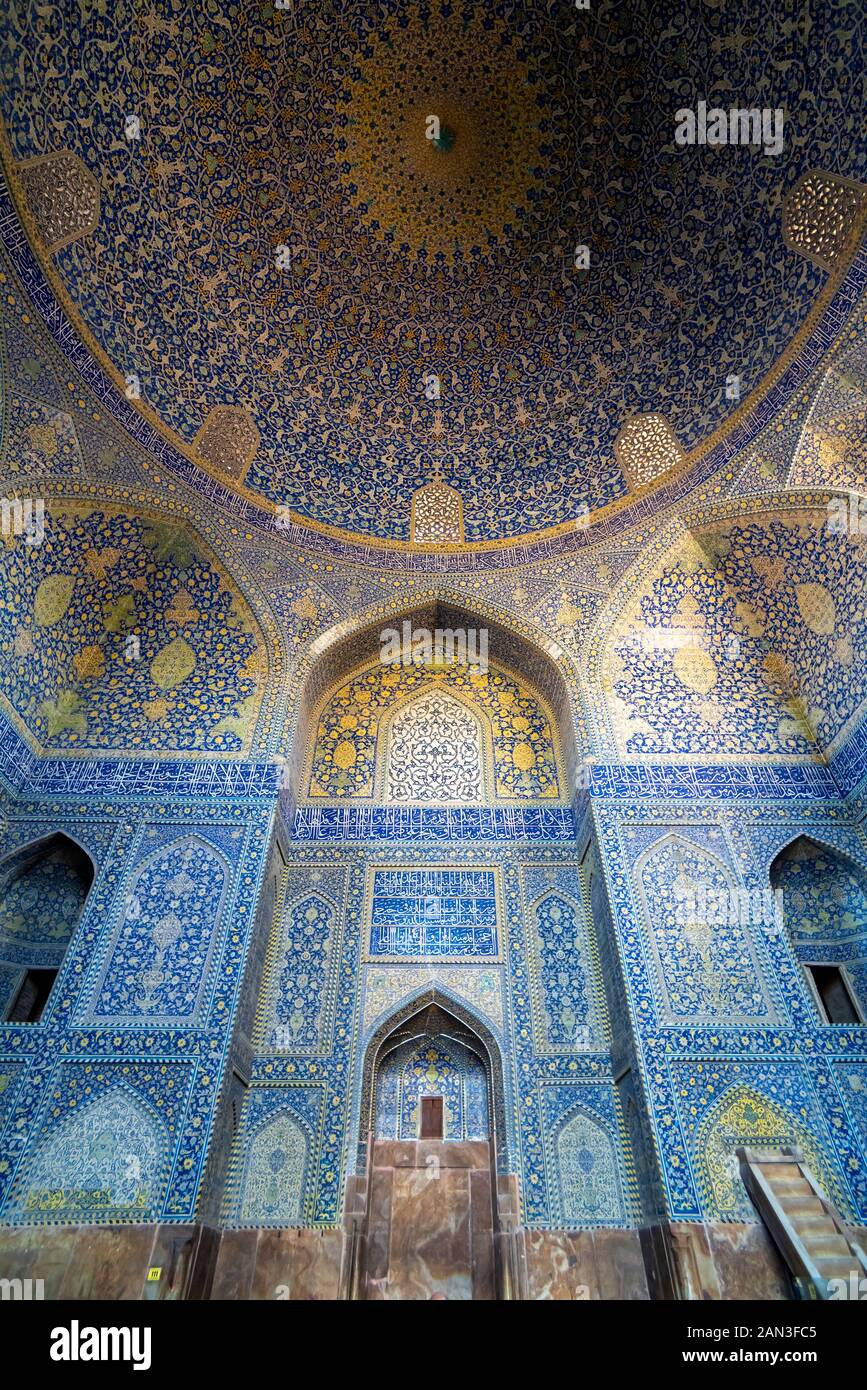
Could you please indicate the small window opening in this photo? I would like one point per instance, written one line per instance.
(834, 994)
(32, 997)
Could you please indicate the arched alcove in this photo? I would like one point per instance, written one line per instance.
(537, 664)
(590, 1182)
(823, 895)
(112, 1144)
(434, 750)
(431, 1067)
(434, 1021)
(747, 1115)
(43, 889)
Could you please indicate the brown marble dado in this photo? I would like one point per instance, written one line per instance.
(423, 1224)
(428, 1228)
(297, 1265)
(584, 1265)
(731, 1260)
(111, 1262)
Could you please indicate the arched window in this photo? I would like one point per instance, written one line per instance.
(271, 1185)
(589, 1173)
(705, 959)
(824, 900)
(43, 888)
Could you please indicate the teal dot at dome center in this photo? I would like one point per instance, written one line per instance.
(445, 140)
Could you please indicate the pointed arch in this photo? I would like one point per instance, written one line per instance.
(823, 896)
(453, 1018)
(158, 961)
(520, 648)
(679, 651)
(456, 988)
(704, 957)
(105, 1161)
(272, 1182)
(446, 758)
(44, 886)
(436, 515)
(346, 751)
(431, 1064)
(590, 1183)
(565, 966)
(296, 974)
(82, 692)
(744, 1116)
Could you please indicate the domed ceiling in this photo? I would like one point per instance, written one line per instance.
(285, 237)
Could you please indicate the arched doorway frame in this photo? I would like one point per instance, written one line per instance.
(488, 1049)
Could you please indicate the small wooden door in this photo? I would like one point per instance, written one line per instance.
(431, 1117)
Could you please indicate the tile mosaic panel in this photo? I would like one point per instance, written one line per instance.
(434, 913)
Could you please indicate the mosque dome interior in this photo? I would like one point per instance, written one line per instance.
(433, 649)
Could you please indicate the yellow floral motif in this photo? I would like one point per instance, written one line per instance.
(99, 562)
(156, 710)
(52, 599)
(182, 610)
(695, 668)
(344, 755)
(173, 664)
(523, 757)
(817, 607)
(463, 191)
(747, 1118)
(44, 439)
(89, 662)
(304, 607)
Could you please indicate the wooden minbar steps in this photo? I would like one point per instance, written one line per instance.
(807, 1229)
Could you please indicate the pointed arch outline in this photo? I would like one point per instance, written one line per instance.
(482, 720)
(36, 851)
(832, 949)
(654, 963)
(816, 1155)
(125, 893)
(13, 1212)
(270, 979)
(579, 1109)
(463, 1052)
(459, 999)
(348, 647)
(776, 503)
(598, 1006)
(242, 1153)
(491, 1057)
(819, 835)
(384, 715)
(243, 584)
